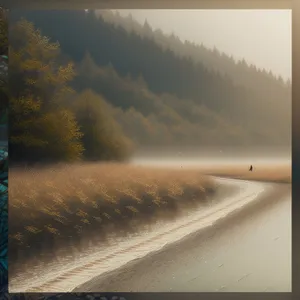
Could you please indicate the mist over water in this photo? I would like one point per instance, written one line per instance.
(212, 156)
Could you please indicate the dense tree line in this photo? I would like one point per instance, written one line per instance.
(110, 88)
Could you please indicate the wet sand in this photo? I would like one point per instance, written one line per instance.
(248, 251)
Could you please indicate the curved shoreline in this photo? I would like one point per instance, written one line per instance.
(126, 277)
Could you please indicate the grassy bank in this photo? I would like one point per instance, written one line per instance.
(69, 205)
(261, 172)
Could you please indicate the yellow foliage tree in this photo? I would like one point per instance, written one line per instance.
(40, 127)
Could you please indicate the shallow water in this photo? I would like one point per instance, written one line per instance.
(249, 253)
(252, 257)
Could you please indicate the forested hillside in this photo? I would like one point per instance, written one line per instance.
(161, 91)
(241, 72)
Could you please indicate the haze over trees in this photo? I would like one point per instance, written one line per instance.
(122, 84)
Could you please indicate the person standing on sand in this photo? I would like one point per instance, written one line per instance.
(251, 168)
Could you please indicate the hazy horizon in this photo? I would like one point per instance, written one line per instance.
(267, 43)
(193, 156)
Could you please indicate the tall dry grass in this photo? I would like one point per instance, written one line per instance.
(67, 205)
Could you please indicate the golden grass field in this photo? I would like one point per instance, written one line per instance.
(69, 204)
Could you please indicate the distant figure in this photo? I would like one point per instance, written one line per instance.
(251, 168)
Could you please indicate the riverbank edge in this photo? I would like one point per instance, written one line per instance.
(258, 204)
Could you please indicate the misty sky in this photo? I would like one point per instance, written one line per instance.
(262, 37)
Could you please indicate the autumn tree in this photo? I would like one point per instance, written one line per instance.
(41, 128)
